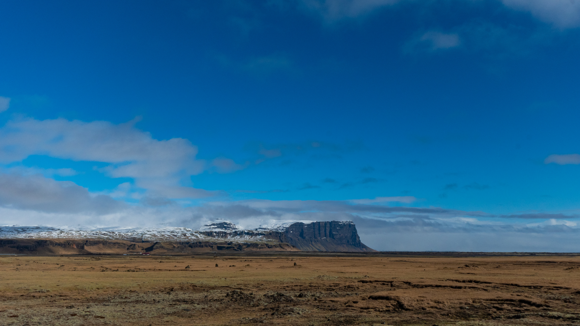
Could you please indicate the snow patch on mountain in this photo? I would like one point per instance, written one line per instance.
(216, 231)
(131, 234)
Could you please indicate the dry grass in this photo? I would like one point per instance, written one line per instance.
(134, 290)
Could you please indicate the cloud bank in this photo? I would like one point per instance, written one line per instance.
(41, 201)
(159, 166)
(38, 193)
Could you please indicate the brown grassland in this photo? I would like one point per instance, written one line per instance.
(289, 290)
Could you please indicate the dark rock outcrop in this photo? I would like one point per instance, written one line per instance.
(337, 236)
(324, 236)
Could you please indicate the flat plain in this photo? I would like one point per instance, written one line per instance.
(288, 289)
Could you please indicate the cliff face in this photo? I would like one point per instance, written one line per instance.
(335, 236)
(324, 236)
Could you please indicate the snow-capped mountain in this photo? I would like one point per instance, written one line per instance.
(304, 235)
(130, 234)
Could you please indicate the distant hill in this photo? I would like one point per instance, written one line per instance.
(332, 236)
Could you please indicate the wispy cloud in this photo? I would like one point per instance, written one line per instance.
(378, 200)
(318, 149)
(346, 207)
(435, 40)
(226, 165)
(482, 37)
(563, 159)
(540, 216)
(4, 103)
(333, 10)
(270, 153)
(22, 170)
(262, 191)
(561, 13)
(308, 186)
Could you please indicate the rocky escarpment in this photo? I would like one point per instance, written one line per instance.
(324, 236)
(337, 236)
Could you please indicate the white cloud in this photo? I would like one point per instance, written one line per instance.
(377, 200)
(128, 216)
(563, 159)
(561, 13)
(4, 103)
(35, 192)
(561, 222)
(130, 152)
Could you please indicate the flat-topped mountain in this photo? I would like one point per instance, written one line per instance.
(335, 236)
(324, 236)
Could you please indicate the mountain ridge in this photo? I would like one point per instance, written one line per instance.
(331, 236)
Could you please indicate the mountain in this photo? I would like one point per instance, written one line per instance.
(336, 236)
(324, 236)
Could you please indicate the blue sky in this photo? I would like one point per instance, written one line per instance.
(434, 125)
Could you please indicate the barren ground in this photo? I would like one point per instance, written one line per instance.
(140, 290)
